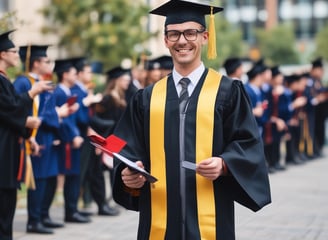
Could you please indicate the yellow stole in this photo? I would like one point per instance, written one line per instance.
(29, 176)
(204, 140)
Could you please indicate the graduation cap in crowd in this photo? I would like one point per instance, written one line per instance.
(317, 63)
(256, 70)
(231, 65)
(30, 53)
(177, 11)
(275, 71)
(63, 65)
(97, 67)
(80, 62)
(117, 72)
(292, 78)
(5, 42)
(152, 64)
(165, 62)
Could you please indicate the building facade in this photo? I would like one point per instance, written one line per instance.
(306, 16)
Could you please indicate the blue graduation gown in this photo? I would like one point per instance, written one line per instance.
(66, 133)
(45, 165)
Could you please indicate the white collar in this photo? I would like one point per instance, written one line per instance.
(194, 76)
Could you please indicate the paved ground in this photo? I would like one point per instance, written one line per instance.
(299, 212)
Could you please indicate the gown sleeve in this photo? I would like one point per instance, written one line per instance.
(244, 152)
(14, 108)
(131, 129)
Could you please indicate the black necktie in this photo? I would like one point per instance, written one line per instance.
(183, 98)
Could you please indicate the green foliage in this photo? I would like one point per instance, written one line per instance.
(229, 43)
(277, 45)
(322, 43)
(8, 21)
(106, 31)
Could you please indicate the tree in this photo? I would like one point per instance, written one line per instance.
(107, 31)
(322, 43)
(277, 45)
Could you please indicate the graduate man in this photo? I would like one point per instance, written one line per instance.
(15, 124)
(70, 140)
(44, 161)
(205, 150)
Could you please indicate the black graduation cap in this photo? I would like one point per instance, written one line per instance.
(117, 72)
(262, 64)
(97, 67)
(256, 70)
(292, 78)
(34, 51)
(5, 42)
(80, 62)
(317, 63)
(152, 64)
(178, 11)
(165, 62)
(231, 64)
(275, 71)
(63, 65)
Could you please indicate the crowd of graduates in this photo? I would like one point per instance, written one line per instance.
(290, 111)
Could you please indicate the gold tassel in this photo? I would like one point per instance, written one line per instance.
(27, 60)
(211, 51)
(29, 176)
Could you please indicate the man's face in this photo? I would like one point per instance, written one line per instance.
(43, 66)
(70, 76)
(85, 76)
(183, 51)
(11, 57)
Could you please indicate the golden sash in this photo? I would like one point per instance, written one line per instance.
(29, 176)
(204, 139)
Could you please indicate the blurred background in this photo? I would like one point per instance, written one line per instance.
(284, 32)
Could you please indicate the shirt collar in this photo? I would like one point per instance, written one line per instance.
(65, 89)
(194, 76)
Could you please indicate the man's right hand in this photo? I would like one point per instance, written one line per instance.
(32, 122)
(133, 179)
(39, 87)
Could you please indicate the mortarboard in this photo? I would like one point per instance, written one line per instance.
(177, 11)
(275, 71)
(152, 64)
(117, 72)
(256, 70)
(97, 67)
(63, 65)
(165, 62)
(317, 63)
(5, 42)
(79, 63)
(33, 51)
(231, 64)
(292, 78)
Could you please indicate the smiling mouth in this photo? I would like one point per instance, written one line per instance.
(183, 50)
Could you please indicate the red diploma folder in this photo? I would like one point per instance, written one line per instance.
(112, 145)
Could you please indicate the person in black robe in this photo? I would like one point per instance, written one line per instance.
(15, 124)
(206, 154)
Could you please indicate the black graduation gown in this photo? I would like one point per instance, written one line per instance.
(14, 110)
(236, 139)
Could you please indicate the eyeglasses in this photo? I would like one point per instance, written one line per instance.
(12, 50)
(189, 34)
